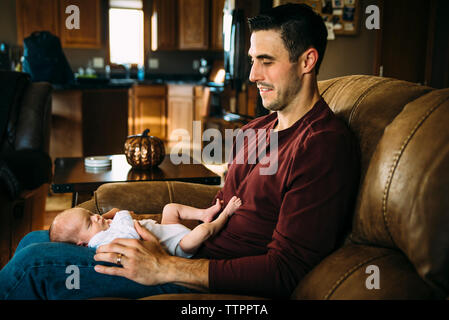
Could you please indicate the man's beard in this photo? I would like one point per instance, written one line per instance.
(284, 99)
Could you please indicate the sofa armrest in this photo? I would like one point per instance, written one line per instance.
(150, 197)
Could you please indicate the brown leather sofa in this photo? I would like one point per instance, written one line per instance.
(25, 167)
(401, 218)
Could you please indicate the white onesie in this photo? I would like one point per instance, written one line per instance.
(122, 226)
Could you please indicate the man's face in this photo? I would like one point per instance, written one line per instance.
(276, 77)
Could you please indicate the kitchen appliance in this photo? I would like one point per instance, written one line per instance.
(236, 62)
(234, 46)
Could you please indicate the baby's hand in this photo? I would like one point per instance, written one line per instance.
(133, 215)
(111, 213)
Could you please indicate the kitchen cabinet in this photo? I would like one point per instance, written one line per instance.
(180, 102)
(187, 25)
(216, 25)
(147, 109)
(104, 128)
(193, 24)
(66, 137)
(163, 26)
(186, 103)
(201, 96)
(36, 15)
(88, 122)
(49, 15)
(89, 33)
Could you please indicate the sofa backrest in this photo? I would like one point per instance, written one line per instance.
(33, 125)
(12, 88)
(403, 199)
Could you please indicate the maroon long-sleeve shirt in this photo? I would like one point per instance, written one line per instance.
(289, 221)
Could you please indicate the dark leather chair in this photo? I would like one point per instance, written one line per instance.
(25, 166)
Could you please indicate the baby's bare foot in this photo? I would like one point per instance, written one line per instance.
(211, 212)
(232, 205)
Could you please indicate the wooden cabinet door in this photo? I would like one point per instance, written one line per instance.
(66, 134)
(193, 24)
(147, 109)
(89, 33)
(36, 15)
(151, 114)
(180, 109)
(104, 121)
(402, 47)
(164, 25)
(216, 25)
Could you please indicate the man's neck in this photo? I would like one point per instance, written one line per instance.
(303, 103)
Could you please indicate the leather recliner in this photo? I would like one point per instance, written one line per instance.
(25, 166)
(398, 247)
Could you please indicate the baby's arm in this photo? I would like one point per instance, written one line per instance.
(122, 226)
(193, 240)
(111, 213)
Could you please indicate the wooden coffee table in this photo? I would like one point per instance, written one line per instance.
(72, 176)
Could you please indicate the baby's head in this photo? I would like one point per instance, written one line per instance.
(77, 225)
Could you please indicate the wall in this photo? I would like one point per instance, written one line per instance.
(348, 55)
(345, 55)
(8, 29)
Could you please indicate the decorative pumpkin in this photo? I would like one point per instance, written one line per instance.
(143, 151)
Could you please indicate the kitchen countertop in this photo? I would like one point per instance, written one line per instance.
(103, 83)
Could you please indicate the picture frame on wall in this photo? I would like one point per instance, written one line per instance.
(337, 4)
(341, 15)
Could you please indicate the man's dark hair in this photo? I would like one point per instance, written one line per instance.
(300, 27)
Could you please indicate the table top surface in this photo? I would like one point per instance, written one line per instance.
(71, 174)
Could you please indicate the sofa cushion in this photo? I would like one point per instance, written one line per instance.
(349, 274)
(368, 104)
(403, 201)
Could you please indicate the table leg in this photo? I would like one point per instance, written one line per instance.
(74, 199)
(80, 197)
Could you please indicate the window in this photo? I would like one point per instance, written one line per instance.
(126, 32)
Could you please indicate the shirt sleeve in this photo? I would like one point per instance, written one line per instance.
(312, 218)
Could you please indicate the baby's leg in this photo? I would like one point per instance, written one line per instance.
(193, 240)
(174, 213)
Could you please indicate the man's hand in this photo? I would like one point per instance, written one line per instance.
(146, 262)
(142, 261)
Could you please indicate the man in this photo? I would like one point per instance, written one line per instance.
(288, 221)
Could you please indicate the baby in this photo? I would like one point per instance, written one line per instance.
(81, 227)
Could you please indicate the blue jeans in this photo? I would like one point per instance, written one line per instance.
(50, 270)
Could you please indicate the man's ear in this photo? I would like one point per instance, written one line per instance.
(308, 60)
